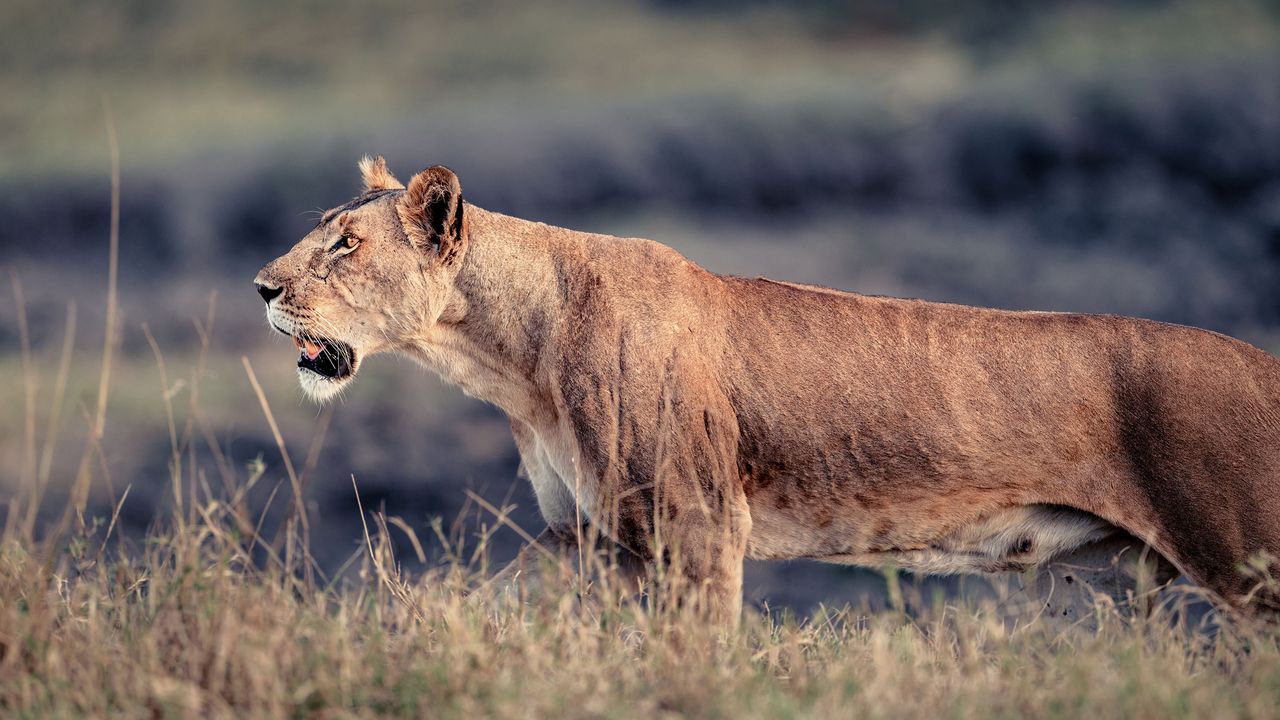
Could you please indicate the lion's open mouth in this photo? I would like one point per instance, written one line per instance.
(328, 358)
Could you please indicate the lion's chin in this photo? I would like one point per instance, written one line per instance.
(325, 366)
(320, 388)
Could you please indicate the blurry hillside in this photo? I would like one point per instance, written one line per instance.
(1106, 157)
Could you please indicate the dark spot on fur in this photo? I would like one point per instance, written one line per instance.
(354, 203)
(1069, 579)
(823, 516)
(747, 475)
(867, 501)
(882, 535)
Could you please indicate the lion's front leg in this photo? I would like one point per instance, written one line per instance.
(706, 545)
(669, 487)
(702, 519)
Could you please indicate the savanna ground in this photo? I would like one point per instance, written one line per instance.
(1096, 156)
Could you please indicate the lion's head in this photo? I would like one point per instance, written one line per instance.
(372, 275)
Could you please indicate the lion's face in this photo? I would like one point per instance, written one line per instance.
(371, 277)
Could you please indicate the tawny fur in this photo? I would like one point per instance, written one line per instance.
(376, 176)
(732, 418)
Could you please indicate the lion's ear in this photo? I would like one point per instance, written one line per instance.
(431, 211)
(376, 175)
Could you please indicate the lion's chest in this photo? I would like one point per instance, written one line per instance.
(566, 494)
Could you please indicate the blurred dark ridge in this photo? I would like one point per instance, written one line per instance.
(1191, 159)
(977, 23)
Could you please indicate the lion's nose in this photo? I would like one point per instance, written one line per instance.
(268, 293)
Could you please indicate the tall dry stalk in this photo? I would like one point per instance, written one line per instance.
(294, 553)
(28, 474)
(84, 475)
(51, 432)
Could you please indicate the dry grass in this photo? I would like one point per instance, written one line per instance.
(193, 625)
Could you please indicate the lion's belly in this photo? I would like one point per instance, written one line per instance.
(924, 537)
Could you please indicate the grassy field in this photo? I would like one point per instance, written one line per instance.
(201, 620)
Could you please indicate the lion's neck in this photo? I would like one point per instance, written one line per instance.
(502, 309)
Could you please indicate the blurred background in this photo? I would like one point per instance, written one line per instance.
(1119, 157)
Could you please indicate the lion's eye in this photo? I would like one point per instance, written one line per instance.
(344, 243)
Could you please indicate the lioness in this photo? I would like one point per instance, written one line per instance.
(751, 418)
